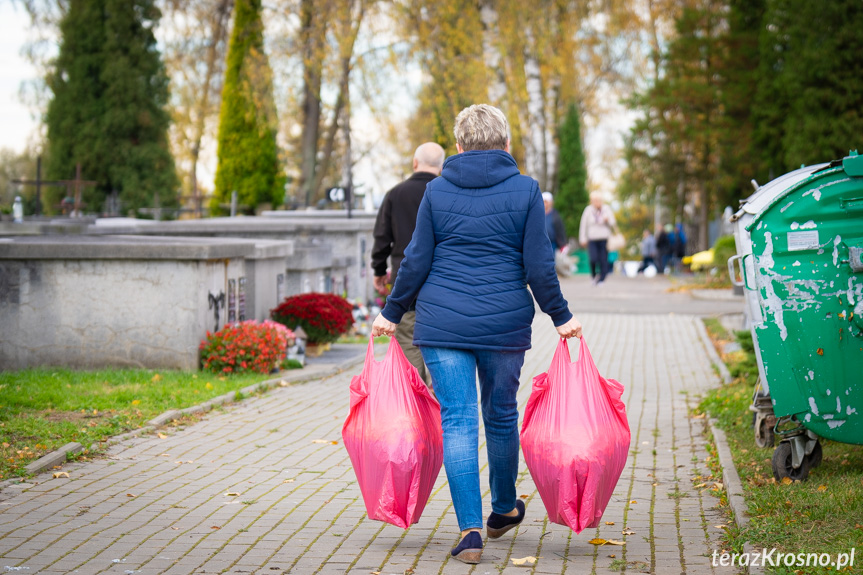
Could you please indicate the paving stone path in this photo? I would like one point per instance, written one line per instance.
(162, 505)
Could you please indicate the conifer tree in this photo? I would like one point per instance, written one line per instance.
(572, 196)
(248, 154)
(107, 112)
(811, 82)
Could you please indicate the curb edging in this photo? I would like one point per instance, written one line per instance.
(724, 374)
(58, 456)
(730, 476)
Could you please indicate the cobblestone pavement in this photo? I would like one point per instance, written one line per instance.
(162, 505)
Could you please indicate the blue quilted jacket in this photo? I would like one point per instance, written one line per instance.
(480, 241)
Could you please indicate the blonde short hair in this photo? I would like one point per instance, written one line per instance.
(481, 127)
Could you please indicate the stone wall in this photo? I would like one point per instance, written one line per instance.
(88, 302)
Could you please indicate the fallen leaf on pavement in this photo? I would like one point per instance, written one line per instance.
(524, 561)
(175, 528)
(130, 495)
(599, 541)
(612, 555)
(162, 436)
(283, 383)
(320, 441)
(288, 481)
(232, 494)
(633, 502)
(215, 527)
(59, 474)
(628, 532)
(609, 522)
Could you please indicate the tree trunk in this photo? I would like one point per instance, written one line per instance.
(220, 20)
(351, 26)
(312, 40)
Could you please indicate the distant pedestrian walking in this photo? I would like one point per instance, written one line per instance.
(394, 228)
(553, 223)
(679, 247)
(480, 241)
(597, 225)
(648, 251)
(664, 246)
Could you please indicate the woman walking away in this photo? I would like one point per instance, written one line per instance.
(597, 225)
(480, 241)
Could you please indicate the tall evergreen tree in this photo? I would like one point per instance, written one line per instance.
(248, 154)
(818, 77)
(572, 196)
(108, 108)
(739, 159)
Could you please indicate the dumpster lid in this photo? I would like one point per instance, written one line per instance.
(765, 194)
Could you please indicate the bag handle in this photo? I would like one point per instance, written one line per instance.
(613, 389)
(359, 387)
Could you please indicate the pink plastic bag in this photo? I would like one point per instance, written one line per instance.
(394, 438)
(575, 438)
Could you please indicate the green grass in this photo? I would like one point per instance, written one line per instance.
(43, 409)
(821, 515)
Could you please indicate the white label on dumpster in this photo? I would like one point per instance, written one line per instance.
(807, 240)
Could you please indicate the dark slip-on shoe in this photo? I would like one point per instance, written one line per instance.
(497, 524)
(469, 549)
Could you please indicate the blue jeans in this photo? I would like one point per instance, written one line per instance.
(598, 252)
(453, 373)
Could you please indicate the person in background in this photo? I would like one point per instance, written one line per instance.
(648, 251)
(553, 223)
(664, 247)
(679, 247)
(480, 241)
(394, 228)
(597, 225)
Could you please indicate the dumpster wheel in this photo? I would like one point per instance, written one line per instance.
(816, 456)
(764, 424)
(782, 466)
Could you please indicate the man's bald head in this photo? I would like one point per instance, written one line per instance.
(429, 157)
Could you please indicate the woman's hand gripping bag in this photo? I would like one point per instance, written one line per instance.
(394, 438)
(575, 438)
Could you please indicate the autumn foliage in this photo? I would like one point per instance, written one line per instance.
(247, 346)
(323, 316)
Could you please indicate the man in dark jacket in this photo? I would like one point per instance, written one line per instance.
(394, 228)
(553, 223)
(480, 241)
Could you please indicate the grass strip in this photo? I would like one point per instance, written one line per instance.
(43, 409)
(821, 515)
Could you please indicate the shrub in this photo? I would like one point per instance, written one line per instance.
(723, 249)
(245, 346)
(323, 316)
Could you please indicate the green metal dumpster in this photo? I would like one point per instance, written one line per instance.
(807, 271)
(581, 260)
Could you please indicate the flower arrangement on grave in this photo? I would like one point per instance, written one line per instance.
(247, 346)
(323, 316)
